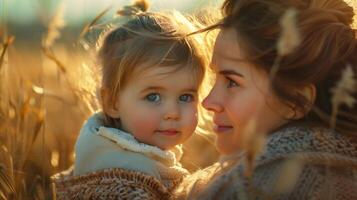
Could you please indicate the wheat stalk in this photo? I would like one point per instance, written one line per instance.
(343, 93)
(7, 186)
(289, 39)
(50, 55)
(5, 46)
(253, 144)
(288, 176)
(56, 24)
(88, 26)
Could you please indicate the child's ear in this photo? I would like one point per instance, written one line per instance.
(109, 107)
(309, 93)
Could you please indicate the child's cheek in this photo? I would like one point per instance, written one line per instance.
(145, 125)
(190, 119)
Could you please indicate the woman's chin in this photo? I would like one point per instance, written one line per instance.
(226, 146)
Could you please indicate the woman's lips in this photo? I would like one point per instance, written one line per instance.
(169, 132)
(222, 128)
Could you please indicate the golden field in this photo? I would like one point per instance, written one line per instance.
(47, 89)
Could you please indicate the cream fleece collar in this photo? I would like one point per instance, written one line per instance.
(127, 141)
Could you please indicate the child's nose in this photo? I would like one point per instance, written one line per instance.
(172, 113)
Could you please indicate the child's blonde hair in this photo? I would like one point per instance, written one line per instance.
(158, 39)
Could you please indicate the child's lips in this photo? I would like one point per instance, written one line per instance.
(169, 132)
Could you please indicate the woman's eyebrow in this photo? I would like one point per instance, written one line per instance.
(230, 72)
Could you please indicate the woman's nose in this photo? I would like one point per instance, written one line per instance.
(211, 102)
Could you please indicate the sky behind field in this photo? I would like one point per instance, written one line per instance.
(28, 11)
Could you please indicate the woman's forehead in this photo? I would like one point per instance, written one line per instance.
(227, 46)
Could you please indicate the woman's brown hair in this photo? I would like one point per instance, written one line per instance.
(328, 44)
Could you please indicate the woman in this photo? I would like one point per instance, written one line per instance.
(288, 95)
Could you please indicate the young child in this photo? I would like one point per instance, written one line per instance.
(151, 73)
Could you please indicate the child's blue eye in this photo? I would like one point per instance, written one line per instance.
(232, 83)
(153, 97)
(186, 98)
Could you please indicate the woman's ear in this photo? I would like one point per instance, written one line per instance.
(109, 107)
(309, 93)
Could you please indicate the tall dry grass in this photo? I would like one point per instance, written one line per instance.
(46, 94)
(41, 108)
(22, 121)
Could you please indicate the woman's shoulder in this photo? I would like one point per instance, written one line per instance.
(309, 142)
(197, 181)
(312, 151)
(297, 163)
(109, 183)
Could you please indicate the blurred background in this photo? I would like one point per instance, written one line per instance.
(48, 80)
(28, 19)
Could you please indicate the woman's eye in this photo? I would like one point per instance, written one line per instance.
(186, 98)
(232, 83)
(153, 97)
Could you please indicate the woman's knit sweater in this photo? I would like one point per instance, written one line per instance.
(111, 163)
(298, 163)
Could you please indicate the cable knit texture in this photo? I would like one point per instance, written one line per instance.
(328, 170)
(111, 163)
(109, 184)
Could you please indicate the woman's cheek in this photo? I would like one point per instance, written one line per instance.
(241, 110)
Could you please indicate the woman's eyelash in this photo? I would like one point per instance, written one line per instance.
(231, 83)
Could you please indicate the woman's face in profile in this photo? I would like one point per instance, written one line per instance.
(241, 93)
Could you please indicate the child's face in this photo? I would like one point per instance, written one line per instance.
(159, 107)
(241, 93)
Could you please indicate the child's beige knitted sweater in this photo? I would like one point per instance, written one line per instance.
(111, 163)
